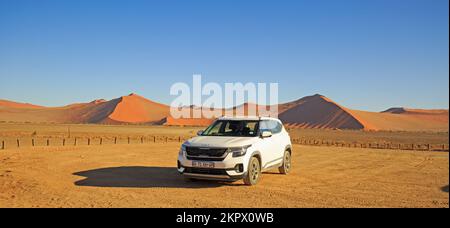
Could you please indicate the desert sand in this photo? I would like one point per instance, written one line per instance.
(145, 176)
(316, 112)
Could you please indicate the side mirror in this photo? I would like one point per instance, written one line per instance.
(199, 132)
(266, 134)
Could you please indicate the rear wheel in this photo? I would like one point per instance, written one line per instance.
(253, 172)
(286, 167)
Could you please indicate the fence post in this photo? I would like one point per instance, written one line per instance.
(167, 138)
(48, 142)
(32, 142)
(3, 145)
(128, 140)
(429, 146)
(115, 140)
(75, 141)
(179, 138)
(89, 141)
(142, 140)
(18, 143)
(154, 139)
(101, 141)
(64, 141)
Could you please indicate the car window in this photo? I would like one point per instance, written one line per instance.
(264, 126)
(271, 125)
(232, 128)
(277, 127)
(214, 129)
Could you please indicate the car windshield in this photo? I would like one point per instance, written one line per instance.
(237, 128)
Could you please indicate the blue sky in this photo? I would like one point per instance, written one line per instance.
(363, 54)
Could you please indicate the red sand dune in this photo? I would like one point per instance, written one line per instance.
(11, 104)
(410, 120)
(124, 110)
(170, 121)
(137, 109)
(315, 111)
(401, 110)
(241, 110)
(318, 112)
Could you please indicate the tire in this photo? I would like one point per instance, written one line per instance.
(286, 167)
(253, 173)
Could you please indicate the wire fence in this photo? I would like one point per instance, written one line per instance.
(11, 143)
(374, 145)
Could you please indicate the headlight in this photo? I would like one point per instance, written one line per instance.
(238, 151)
(182, 150)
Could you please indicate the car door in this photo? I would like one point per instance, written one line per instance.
(277, 140)
(268, 146)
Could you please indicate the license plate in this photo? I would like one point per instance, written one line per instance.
(200, 164)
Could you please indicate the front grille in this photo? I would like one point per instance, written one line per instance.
(209, 152)
(205, 158)
(205, 171)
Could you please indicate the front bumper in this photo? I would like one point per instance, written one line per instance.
(220, 173)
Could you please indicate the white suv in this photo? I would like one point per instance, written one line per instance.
(235, 148)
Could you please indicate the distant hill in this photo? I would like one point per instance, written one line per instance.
(132, 109)
(316, 111)
(12, 104)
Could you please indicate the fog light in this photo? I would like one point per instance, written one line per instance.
(239, 168)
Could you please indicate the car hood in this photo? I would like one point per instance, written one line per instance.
(220, 141)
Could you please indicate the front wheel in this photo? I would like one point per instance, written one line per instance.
(253, 172)
(286, 167)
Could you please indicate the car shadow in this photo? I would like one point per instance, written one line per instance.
(141, 177)
(272, 173)
(445, 188)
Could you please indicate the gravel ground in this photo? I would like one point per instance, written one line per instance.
(145, 176)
